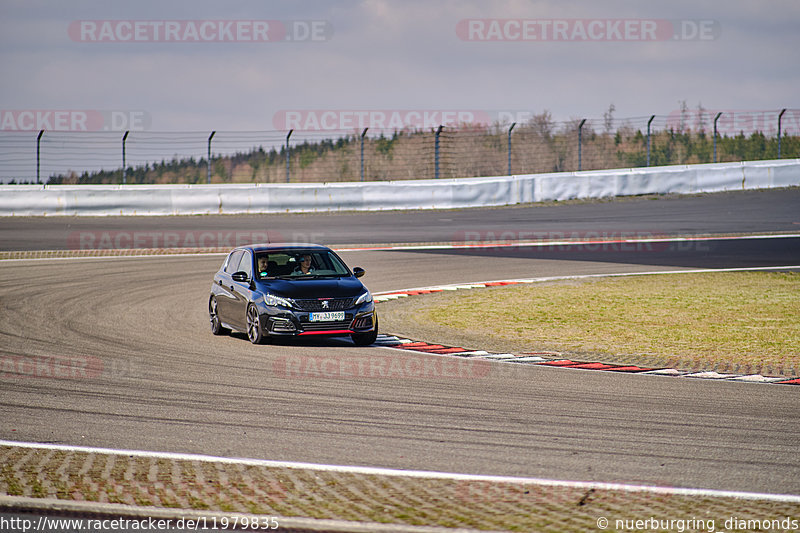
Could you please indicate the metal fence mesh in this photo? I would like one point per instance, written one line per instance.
(453, 151)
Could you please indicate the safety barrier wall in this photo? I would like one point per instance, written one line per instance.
(99, 200)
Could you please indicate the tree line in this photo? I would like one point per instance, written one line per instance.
(538, 146)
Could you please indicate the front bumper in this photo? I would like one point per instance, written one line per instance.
(282, 322)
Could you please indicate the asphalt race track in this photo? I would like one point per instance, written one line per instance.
(150, 376)
(735, 212)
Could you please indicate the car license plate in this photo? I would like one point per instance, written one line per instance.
(329, 316)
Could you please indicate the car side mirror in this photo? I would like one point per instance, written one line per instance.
(240, 276)
(358, 272)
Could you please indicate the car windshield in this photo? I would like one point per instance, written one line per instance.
(299, 264)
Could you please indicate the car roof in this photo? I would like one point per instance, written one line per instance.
(267, 247)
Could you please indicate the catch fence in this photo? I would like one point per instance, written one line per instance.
(538, 145)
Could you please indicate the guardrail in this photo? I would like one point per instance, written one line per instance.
(108, 200)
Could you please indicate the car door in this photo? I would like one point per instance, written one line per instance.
(240, 291)
(225, 288)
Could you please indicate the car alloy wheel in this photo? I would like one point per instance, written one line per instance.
(254, 325)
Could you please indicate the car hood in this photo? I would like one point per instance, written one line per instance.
(313, 288)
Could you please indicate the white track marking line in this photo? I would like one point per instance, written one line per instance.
(758, 378)
(712, 375)
(422, 474)
(666, 372)
(476, 353)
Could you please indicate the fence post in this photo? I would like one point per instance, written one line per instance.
(715, 135)
(648, 138)
(124, 165)
(208, 171)
(436, 153)
(580, 135)
(780, 116)
(288, 155)
(509, 146)
(38, 144)
(362, 152)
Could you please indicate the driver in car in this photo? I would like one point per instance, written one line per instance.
(305, 265)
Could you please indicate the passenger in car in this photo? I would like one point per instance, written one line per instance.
(263, 266)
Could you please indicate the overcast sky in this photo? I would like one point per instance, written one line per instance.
(573, 59)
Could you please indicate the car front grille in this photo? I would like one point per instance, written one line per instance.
(333, 304)
(326, 326)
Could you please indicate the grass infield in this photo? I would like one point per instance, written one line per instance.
(739, 322)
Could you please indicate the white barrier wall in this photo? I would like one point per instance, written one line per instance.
(37, 200)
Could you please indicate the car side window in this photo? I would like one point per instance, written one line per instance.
(233, 261)
(246, 265)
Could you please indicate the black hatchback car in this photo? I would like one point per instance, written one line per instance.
(279, 290)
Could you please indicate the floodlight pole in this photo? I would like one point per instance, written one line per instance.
(580, 139)
(648, 138)
(715, 135)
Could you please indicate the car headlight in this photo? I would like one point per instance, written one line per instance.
(364, 298)
(273, 301)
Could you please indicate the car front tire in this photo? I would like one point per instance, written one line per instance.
(254, 332)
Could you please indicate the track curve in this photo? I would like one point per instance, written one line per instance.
(147, 374)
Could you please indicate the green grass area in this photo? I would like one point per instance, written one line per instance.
(742, 319)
